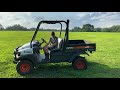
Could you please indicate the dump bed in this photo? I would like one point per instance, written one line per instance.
(81, 45)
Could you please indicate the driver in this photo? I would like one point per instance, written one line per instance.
(52, 44)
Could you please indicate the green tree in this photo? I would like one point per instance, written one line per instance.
(76, 29)
(16, 27)
(115, 28)
(97, 29)
(88, 28)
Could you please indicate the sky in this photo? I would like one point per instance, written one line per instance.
(77, 19)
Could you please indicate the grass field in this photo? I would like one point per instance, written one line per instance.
(104, 63)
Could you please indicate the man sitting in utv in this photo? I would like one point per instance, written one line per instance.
(52, 44)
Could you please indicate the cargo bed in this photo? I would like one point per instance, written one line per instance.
(81, 45)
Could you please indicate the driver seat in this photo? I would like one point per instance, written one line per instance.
(60, 41)
(60, 44)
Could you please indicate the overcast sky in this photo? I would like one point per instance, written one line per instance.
(31, 19)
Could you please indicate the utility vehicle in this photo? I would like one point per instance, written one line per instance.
(28, 56)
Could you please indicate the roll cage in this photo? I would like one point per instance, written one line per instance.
(54, 22)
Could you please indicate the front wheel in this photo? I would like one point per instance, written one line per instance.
(24, 67)
(79, 64)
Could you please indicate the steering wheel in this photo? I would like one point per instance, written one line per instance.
(43, 40)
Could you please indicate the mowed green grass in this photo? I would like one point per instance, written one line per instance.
(104, 63)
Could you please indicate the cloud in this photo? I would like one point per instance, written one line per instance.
(38, 18)
(106, 19)
(84, 14)
(107, 15)
(31, 19)
(11, 18)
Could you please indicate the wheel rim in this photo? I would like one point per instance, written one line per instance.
(80, 64)
(24, 67)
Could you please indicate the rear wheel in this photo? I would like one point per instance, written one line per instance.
(79, 64)
(24, 67)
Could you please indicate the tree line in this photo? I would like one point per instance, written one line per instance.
(85, 28)
(18, 27)
(91, 28)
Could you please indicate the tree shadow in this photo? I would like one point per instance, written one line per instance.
(65, 70)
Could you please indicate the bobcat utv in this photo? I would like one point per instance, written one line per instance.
(28, 56)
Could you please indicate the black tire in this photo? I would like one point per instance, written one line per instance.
(79, 64)
(24, 67)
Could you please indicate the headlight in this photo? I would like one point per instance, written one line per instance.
(18, 53)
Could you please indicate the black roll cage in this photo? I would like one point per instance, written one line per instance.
(54, 22)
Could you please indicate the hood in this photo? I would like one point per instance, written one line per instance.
(27, 45)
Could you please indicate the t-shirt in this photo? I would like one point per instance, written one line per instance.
(53, 40)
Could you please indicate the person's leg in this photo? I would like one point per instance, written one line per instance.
(45, 49)
(51, 47)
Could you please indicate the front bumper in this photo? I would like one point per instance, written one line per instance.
(15, 62)
(15, 54)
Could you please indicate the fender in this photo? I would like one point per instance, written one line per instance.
(30, 57)
(75, 56)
